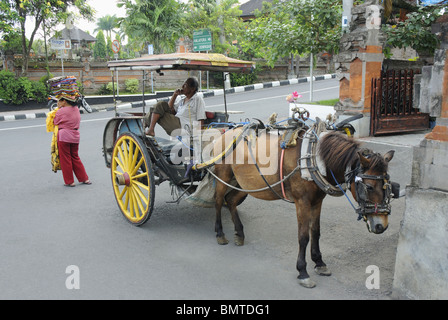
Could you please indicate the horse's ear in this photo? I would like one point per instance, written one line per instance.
(365, 163)
(388, 156)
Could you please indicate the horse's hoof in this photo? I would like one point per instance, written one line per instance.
(322, 271)
(307, 283)
(238, 241)
(222, 240)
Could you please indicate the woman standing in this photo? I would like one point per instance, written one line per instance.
(68, 118)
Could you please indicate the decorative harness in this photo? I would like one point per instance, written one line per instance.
(366, 206)
(313, 170)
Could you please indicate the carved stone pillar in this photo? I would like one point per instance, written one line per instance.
(359, 61)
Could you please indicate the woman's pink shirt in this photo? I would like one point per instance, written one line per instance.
(68, 119)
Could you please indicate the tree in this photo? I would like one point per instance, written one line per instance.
(12, 42)
(14, 14)
(204, 14)
(107, 24)
(154, 22)
(295, 27)
(99, 50)
(415, 30)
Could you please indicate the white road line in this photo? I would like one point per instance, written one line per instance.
(268, 98)
(209, 106)
(44, 125)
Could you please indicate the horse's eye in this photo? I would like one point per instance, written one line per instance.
(369, 187)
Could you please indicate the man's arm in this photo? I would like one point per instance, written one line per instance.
(173, 100)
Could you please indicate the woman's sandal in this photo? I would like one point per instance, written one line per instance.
(87, 182)
(70, 185)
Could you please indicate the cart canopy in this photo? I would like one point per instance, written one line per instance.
(184, 61)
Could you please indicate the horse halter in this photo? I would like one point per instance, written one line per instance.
(366, 206)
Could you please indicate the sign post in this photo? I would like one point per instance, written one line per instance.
(115, 46)
(61, 44)
(116, 49)
(202, 40)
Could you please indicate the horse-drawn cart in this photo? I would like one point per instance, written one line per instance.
(139, 162)
(305, 162)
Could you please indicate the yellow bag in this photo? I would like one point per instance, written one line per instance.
(51, 127)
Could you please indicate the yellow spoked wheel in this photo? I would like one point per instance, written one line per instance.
(133, 178)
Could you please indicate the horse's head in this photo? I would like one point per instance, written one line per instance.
(372, 189)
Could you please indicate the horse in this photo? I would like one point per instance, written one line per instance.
(364, 171)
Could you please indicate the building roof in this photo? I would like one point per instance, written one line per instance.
(76, 35)
(249, 7)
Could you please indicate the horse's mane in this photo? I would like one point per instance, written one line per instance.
(338, 151)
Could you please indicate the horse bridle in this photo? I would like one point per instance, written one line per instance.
(366, 206)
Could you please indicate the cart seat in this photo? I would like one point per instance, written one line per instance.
(166, 145)
(214, 117)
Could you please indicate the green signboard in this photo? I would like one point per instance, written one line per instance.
(202, 40)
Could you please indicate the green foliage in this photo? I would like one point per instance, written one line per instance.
(99, 50)
(80, 86)
(294, 27)
(110, 87)
(223, 19)
(15, 91)
(415, 32)
(132, 85)
(6, 82)
(12, 42)
(45, 78)
(14, 14)
(103, 90)
(154, 22)
(109, 52)
(21, 90)
(39, 91)
(242, 79)
(107, 24)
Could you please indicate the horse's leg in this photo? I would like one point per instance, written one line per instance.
(224, 172)
(320, 268)
(233, 198)
(303, 221)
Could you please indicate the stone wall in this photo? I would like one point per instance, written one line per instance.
(421, 266)
(94, 74)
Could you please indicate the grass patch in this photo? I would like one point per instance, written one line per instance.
(330, 102)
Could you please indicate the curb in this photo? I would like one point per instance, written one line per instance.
(207, 94)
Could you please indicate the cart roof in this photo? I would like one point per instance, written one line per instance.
(184, 61)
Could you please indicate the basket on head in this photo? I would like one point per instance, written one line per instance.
(64, 88)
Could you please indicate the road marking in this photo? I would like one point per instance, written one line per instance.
(44, 125)
(210, 106)
(267, 98)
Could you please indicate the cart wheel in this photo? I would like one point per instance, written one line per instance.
(133, 178)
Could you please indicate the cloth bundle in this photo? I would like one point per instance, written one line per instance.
(64, 87)
(54, 151)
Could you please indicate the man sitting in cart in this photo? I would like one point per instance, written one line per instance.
(185, 108)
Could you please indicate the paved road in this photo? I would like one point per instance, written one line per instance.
(45, 228)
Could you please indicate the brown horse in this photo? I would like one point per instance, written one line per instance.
(364, 171)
